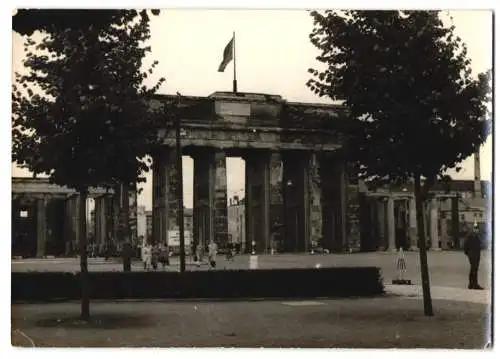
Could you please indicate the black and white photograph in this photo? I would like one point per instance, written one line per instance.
(251, 178)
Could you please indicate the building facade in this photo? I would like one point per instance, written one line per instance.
(236, 221)
(141, 224)
(299, 188)
(45, 218)
(388, 216)
(298, 185)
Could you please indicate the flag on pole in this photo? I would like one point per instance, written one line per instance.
(228, 56)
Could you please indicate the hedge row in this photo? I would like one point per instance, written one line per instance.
(263, 283)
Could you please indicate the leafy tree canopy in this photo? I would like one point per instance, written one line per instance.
(405, 78)
(27, 21)
(80, 113)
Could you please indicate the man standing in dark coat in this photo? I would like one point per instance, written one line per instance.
(472, 249)
(127, 253)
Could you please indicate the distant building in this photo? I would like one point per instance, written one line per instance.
(236, 220)
(188, 223)
(141, 222)
(472, 208)
(451, 212)
(188, 220)
(149, 226)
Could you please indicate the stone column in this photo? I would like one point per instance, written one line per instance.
(296, 201)
(373, 230)
(366, 226)
(391, 234)
(75, 211)
(276, 209)
(433, 224)
(97, 220)
(116, 206)
(108, 202)
(220, 198)
(444, 238)
(165, 197)
(104, 219)
(210, 197)
(100, 219)
(257, 201)
(41, 226)
(413, 229)
(381, 225)
(67, 226)
(352, 217)
(343, 189)
(333, 197)
(426, 217)
(264, 199)
(202, 197)
(315, 210)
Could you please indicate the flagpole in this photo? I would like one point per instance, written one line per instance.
(235, 84)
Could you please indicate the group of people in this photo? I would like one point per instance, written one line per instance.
(212, 254)
(151, 255)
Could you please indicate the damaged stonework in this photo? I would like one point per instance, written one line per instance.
(316, 215)
(280, 143)
(353, 218)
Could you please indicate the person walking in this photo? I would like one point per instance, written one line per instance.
(155, 256)
(163, 257)
(472, 249)
(199, 254)
(212, 253)
(230, 252)
(146, 256)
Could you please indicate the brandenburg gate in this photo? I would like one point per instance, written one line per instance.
(299, 189)
(295, 178)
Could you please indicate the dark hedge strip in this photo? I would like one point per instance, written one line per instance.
(272, 283)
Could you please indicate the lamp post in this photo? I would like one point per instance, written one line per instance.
(180, 210)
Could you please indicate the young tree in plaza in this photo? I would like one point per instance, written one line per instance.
(80, 114)
(406, 82)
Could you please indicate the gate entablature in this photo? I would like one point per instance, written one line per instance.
(246, 120)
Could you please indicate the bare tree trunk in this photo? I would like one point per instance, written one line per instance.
(84, 272)
(424, 267)
(124, 226)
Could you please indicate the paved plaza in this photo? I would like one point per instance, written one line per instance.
(447, 268)
(393, 320)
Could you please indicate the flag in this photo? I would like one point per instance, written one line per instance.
(228, 56)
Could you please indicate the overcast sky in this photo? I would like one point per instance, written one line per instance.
(273, 54)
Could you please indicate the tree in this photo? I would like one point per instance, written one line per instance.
(27, 21)
(405, 80)
(81, 115)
